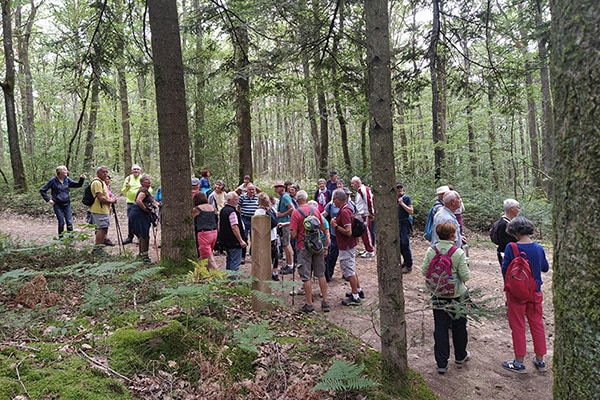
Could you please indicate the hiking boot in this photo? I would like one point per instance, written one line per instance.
(286, 270)
(127, 241)
(351, 302)
(406, 270)
(307, 308)
(514, 366)
(275, 276)
(459, 363)
(361, 294)
(326, 308)
(368, 254)
(539, 364)
(298, 292)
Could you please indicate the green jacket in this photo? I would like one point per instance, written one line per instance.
(460, 269)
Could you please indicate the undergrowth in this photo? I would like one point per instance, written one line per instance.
(121, 329)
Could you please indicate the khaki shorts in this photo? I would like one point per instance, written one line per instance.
(310, 263)
(348, 262)
(102, 221)
(285, 235)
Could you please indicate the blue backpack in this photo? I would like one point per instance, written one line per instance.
(429, 225)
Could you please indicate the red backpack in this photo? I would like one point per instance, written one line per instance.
(519, 280)
(439, 277)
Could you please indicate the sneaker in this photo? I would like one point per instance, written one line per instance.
(442, 370)
(351, 302)
(307, 308)
(540, 365)
(127, 241)
(298, 292)
(513, 366)
(459, 363)
(360, 253)
(368, 254)
(361, 294)
(108, 242)
(275, 276)
(286, 270)
(406, 270)
(326, 308)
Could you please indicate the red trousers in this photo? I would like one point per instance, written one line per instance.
(367, 237)
(516, 319)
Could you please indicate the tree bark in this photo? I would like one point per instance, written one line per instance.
(242, 95)
(8, 88)
(178, 241)
(575, 76)
(88, 156)
(436, 97)
(391, 296)
(310, 106)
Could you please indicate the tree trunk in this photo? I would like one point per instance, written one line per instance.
(242, 95)
(575, 76)
(125, 125)
(391, 296)
(8, 87)
(88, 156)
(469, 112)
(323, 126)
(178, 243)
(199, 106)
(542, 32)
(436, 99)
(310, 105)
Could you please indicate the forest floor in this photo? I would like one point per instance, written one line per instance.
(489, 338)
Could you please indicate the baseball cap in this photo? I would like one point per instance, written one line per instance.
(442, 189)
(278, 183)
(195, 181)
(332, 173)
(399, 184)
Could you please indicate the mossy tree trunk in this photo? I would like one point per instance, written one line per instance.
(576, 289)
(178, 242)
(391, 296)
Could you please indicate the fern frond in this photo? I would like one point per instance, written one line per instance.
(187, 291)
(18, 274)
(110, 268)
(143, 274)
(268, 297)
(254, 334)
(343, 376)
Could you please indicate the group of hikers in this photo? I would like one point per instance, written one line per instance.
(310, 234)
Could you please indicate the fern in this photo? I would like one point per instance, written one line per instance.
(187, 291)
(111, 267)
(254, 334)
(343, 376)
(202, 273)
(18, 274)
(268, 298)
(142, 275)
(98, 298)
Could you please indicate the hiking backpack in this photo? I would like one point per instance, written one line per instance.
(88, 197)
(439, 278)
(519, 280)
(271, 213)
(429, 225)
(312, 231)
(358, 226)
(494, 233)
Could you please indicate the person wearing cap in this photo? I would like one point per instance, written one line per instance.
(285, 208)
(195, 186)
(130, 187)
(405, 211)
(332, 183)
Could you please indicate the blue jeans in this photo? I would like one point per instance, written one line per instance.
(63, 213)
(405, 252)
(332, 256)
(234, 258)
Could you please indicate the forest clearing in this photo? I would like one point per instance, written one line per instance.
(489, 338)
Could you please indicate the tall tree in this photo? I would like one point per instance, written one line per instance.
(8, 87)
(241, 44)
(178, 242)
(437, 86)
(391, 296)
(574, 61)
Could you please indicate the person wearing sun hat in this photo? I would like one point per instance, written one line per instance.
(284, 211)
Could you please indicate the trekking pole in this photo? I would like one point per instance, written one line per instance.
(119, 238)
(155, 245)
(293, 284)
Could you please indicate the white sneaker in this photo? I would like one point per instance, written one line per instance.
(367, 254)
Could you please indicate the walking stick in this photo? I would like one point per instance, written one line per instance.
(154, 234)
(119, 237)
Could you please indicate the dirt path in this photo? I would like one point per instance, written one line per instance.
(489, 339)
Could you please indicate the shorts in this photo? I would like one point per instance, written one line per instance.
(348, 262)
(285, 235)
(310, 263)
(102, 221)
(206, 242)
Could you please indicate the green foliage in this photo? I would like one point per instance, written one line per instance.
(98, 298)
(253, 334)
(343, 376)
(202, 273)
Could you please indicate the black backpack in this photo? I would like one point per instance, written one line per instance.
(494, 232)
(271, 213)
(88, 197)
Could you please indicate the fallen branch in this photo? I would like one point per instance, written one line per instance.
(104, 367)
(19, 376)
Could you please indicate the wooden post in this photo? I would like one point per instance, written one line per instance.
(261, 258)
